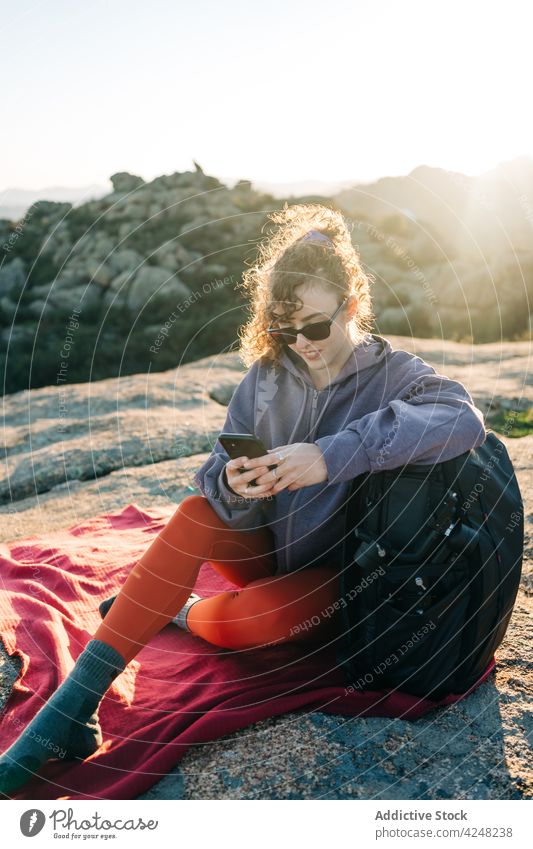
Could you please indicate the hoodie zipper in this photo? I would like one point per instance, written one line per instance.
(293, 369)
(289, 520)
(314, 403)
(313, 410)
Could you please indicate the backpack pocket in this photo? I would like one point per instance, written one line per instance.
(408, 587)
(411, 640)
(491, 604)
(407, 506)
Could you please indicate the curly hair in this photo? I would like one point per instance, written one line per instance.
(285, 262)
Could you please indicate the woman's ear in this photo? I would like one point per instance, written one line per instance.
(352, 306)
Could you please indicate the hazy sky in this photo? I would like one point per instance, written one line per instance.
(278, 90)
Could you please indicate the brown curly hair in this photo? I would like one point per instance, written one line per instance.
(284, 262)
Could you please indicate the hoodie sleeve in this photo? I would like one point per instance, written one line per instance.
(432, 419)
(234, 510)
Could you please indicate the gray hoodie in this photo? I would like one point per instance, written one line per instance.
(385, 408)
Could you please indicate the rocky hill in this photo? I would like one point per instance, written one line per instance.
(483, 215)
(140, 439)
(146, 275)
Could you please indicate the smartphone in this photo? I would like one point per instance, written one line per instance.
(243, 445)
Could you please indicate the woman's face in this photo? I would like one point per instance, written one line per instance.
(325, 356)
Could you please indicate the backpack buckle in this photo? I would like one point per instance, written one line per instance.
(370, 554)
(444, 519)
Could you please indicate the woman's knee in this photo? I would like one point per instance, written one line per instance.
(239, 619)
(192, 504)
(197, 510)
(267, 614)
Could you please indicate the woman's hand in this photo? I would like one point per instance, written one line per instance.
(239, 482)
(303, 464)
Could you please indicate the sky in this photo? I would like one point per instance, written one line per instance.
(275, 91)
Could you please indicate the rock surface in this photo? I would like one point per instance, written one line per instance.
(140, 438)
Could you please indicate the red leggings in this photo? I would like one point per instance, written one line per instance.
(268, 609)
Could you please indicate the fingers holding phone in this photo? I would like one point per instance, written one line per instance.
(241, 481)
(240, 447)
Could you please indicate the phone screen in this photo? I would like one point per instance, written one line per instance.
(243, 445)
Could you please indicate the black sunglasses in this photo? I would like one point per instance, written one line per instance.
(315, 331)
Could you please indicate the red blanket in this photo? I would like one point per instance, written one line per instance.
(179, 690)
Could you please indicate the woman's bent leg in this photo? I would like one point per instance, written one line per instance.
(257, 560)
(155, 589)
(297, 606)
(162, 580)
(256, 550)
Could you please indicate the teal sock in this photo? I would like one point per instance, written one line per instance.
(67, 726)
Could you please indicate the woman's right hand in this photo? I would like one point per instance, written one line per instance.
(239, 482)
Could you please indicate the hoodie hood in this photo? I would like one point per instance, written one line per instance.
(367, 353)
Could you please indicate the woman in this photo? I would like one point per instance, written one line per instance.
(332, 401)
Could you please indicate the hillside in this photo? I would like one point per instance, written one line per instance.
(147, 275)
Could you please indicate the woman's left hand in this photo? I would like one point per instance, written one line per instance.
(303, 464)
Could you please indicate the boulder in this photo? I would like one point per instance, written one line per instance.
(124, 182)
(151, 281)
(12, 277)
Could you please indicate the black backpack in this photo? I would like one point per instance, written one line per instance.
(432, 559)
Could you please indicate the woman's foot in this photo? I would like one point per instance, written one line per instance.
(180, 619)
(67, 726)
(105, 605)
